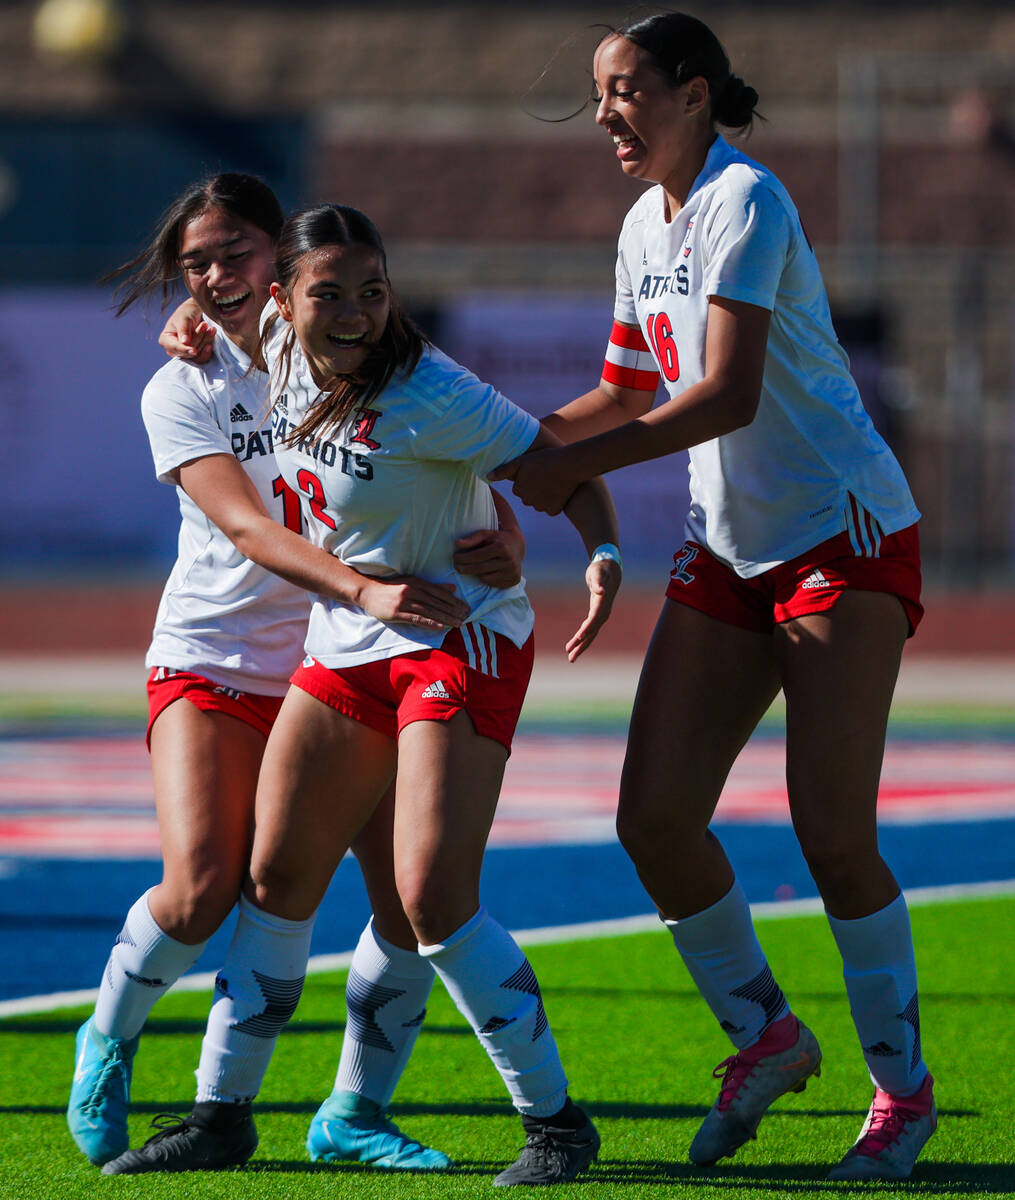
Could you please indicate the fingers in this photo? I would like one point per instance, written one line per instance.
(506, 470)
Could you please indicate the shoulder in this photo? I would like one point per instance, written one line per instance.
(176, 381)
(740, 180)
(434, 382)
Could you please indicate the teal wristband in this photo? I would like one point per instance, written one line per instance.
(607, 550)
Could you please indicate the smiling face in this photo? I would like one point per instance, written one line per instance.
(338, 304)
(661, 131)
(227, 265)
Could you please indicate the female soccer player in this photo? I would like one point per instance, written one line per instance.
(388, 442)
(799, 570)
(228, 634)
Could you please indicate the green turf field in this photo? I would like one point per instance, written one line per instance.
(638, 1045)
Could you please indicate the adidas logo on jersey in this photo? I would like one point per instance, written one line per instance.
(239, 413)
(815, 580)
(436, 691)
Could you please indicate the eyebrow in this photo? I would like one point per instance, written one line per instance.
(237, 237)
(333, 284)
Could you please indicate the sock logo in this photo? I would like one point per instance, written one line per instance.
(881, 1050)
(911, 1014)
(524, 980)
(281, 997)
(763, 990)
(363, 1001)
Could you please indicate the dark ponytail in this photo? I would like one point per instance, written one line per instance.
(682, 48)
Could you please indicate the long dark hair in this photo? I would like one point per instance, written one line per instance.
(682, 48)
(399, 347)
(157, 266)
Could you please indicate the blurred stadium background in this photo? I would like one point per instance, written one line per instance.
(892, 125)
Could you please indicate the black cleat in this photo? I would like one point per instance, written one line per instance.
(213, 1137)
(552, 1154)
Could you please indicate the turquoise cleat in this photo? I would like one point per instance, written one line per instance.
(100, 1094)
(351, 1128)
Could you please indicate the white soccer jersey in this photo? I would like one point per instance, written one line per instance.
(762, 494)
(221, 615)
(392, 488)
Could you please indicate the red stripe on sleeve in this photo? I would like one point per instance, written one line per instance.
(628, 377)
(627, 337)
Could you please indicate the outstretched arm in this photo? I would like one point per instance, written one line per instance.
(726, 399)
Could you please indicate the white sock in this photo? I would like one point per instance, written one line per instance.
(725, 960)
(143, 965)
(386, 997)
(495, 989)
(256, 992)
(879, 968)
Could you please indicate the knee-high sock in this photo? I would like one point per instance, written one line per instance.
(256, 992)
(495, 989)
(722, 954)
(879, 968)
(386, 997)
(143, 965)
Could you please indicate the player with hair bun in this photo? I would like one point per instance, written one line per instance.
(228, 635)
(799, 571)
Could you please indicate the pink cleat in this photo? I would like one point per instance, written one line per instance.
(781, 1060)
(896, 1130)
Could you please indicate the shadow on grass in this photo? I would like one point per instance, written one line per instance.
(931, 1178)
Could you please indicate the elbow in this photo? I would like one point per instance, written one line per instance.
(742, 407)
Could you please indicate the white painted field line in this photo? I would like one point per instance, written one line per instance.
(585, 931)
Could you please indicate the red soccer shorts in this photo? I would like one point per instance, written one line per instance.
(165, 684)
(810, 583)
(476, 671)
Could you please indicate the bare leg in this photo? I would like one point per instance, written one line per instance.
(205, 767)
(703, 689)
(839, 670)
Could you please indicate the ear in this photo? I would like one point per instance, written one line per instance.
(698, 95)
(281, 298)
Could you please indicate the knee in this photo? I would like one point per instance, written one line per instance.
(436, 906)
(648, 830)
(192, 905)
(837, 866)
(281, 888)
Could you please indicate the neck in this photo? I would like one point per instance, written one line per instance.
(677, 185)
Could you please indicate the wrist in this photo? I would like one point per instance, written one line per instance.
(607, 550)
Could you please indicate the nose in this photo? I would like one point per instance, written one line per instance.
(602, 110)
(217, 271)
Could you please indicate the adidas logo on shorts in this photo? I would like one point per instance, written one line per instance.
(815, 580)
(436, 691)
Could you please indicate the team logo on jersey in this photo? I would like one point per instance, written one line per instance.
(366, 419)
(687, 239)
(682, 561)
(239, 413)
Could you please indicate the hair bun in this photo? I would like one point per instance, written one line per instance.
(735, 104)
